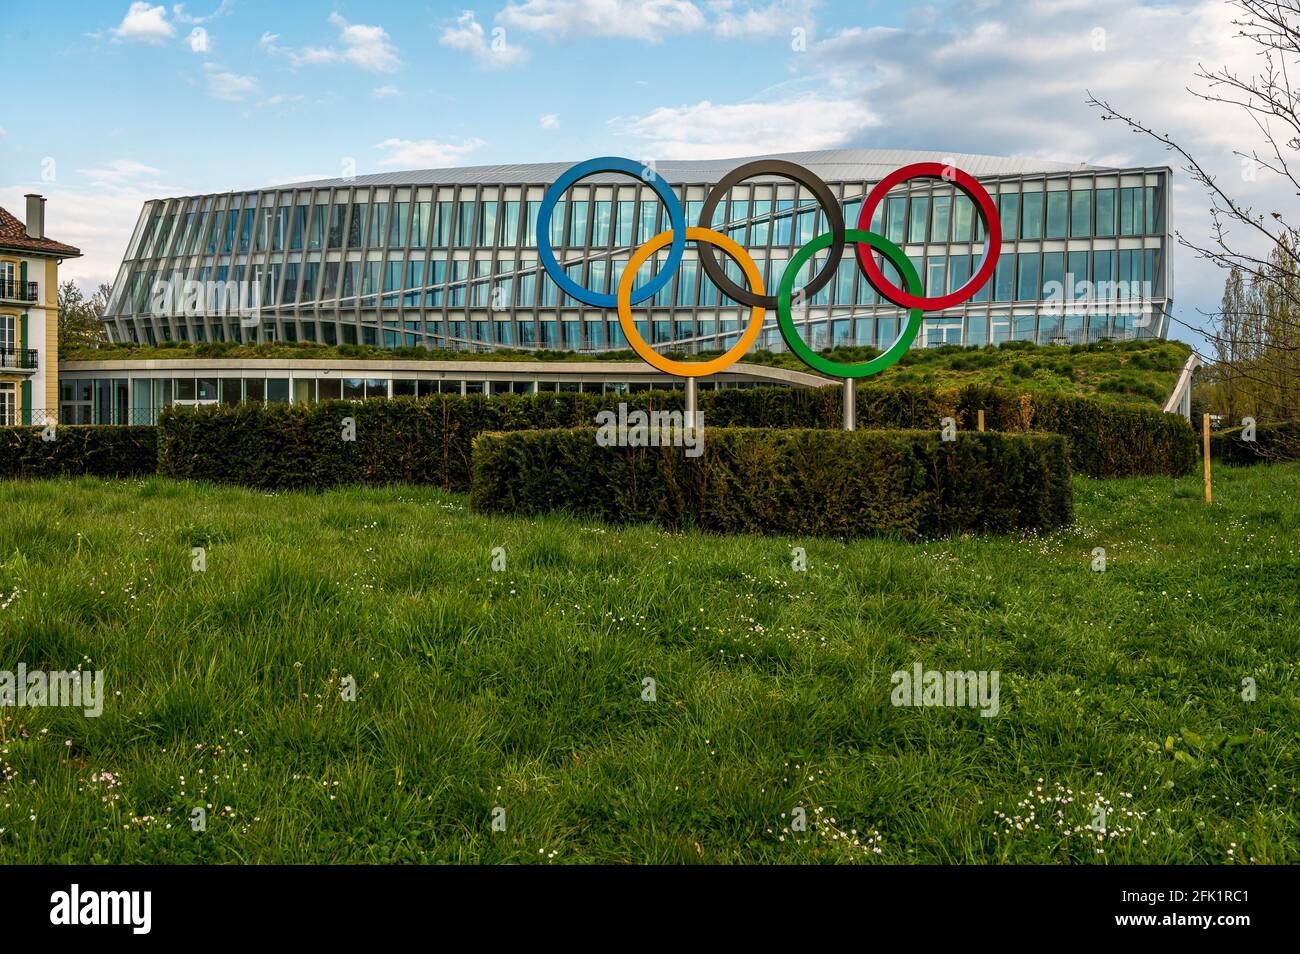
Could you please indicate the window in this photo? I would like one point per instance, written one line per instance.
(1031, 222)
(686, 279)
(646, 229)
(419, 224)
(465, 224)
(916, 222)
(1076, 272)
(1130, 211)
(487, 223)
(963, 211)
(938, 218)
(378, 225)
(8, 334)
(75, 402)
(1005, 277)
(442, 225)
(623, 223)
(510, 224)
(1155, 219)
(1105, 211)
(357, 225)
(1054, 275)
(298, 228)
(1009, 213)
(1027, 276)
(894, 218)
(1103, 274)
(316, 237)
(398, 225)
(1080, 213)
(8, 405)
(599, 225)
(934, 275)
(959, 272)
(1056, 214)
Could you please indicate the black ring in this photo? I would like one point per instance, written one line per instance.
(825, 198)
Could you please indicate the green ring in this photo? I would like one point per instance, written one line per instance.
(840, 369)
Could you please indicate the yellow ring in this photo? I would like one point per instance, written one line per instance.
(689, 369)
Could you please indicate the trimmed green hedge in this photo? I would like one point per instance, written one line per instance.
(785, 481)
(99, 450)
(1273, 442)
(429, 441)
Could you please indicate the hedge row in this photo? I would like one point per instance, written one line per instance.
(1273, 442)
(429, 441)
(795, 481)
(78, 449)
(1106, 440)
(282, 446)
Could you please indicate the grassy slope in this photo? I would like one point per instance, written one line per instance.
(1136, 371)
(523, 689)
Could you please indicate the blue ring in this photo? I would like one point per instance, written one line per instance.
(580, 171)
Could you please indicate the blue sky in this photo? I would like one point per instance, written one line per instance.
(146, 100)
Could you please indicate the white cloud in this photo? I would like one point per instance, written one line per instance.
(280, 98)
(650, 20)
(232, 87)
(3, 131)
(385, 92)
(550, 121)
(97, 218)
(360, 44)
(713, 131)
(199, 40)
(119, 170)
(778, 18)
(468, 36)
(144, 23)
(424, 153)
(178, 11)
(1013, 80)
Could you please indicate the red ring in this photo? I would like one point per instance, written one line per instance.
(992, 243)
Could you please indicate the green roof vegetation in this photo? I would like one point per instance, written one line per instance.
(1139, 372)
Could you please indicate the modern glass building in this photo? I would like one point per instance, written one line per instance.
(447, 258)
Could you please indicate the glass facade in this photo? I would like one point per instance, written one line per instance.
(137, 396)
(453, 264)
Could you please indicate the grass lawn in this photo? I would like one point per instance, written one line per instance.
(523, 688)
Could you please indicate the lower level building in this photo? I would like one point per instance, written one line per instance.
(134, 392)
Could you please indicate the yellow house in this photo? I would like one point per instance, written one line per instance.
(29, 317)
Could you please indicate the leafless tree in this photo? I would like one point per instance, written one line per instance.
(1255, 337)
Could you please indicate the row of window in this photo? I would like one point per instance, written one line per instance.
(1075, 322)
(578, 223)
(333, 286)
(139, 400)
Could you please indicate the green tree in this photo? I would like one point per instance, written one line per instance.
(80, 318)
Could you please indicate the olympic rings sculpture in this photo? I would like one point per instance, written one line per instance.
(756, 295)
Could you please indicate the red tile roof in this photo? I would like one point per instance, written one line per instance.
(13, 235)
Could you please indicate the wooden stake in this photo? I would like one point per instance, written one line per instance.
(1205, 442)
(981, 420)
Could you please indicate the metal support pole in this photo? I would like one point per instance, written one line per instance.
(1205, 450)
(850, 405)
(692, 403)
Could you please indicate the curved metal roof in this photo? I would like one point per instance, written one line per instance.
(832, 165)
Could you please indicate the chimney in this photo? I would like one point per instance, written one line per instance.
(35, 215)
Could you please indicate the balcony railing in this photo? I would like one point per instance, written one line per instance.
(11, 290)
(26, 359)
